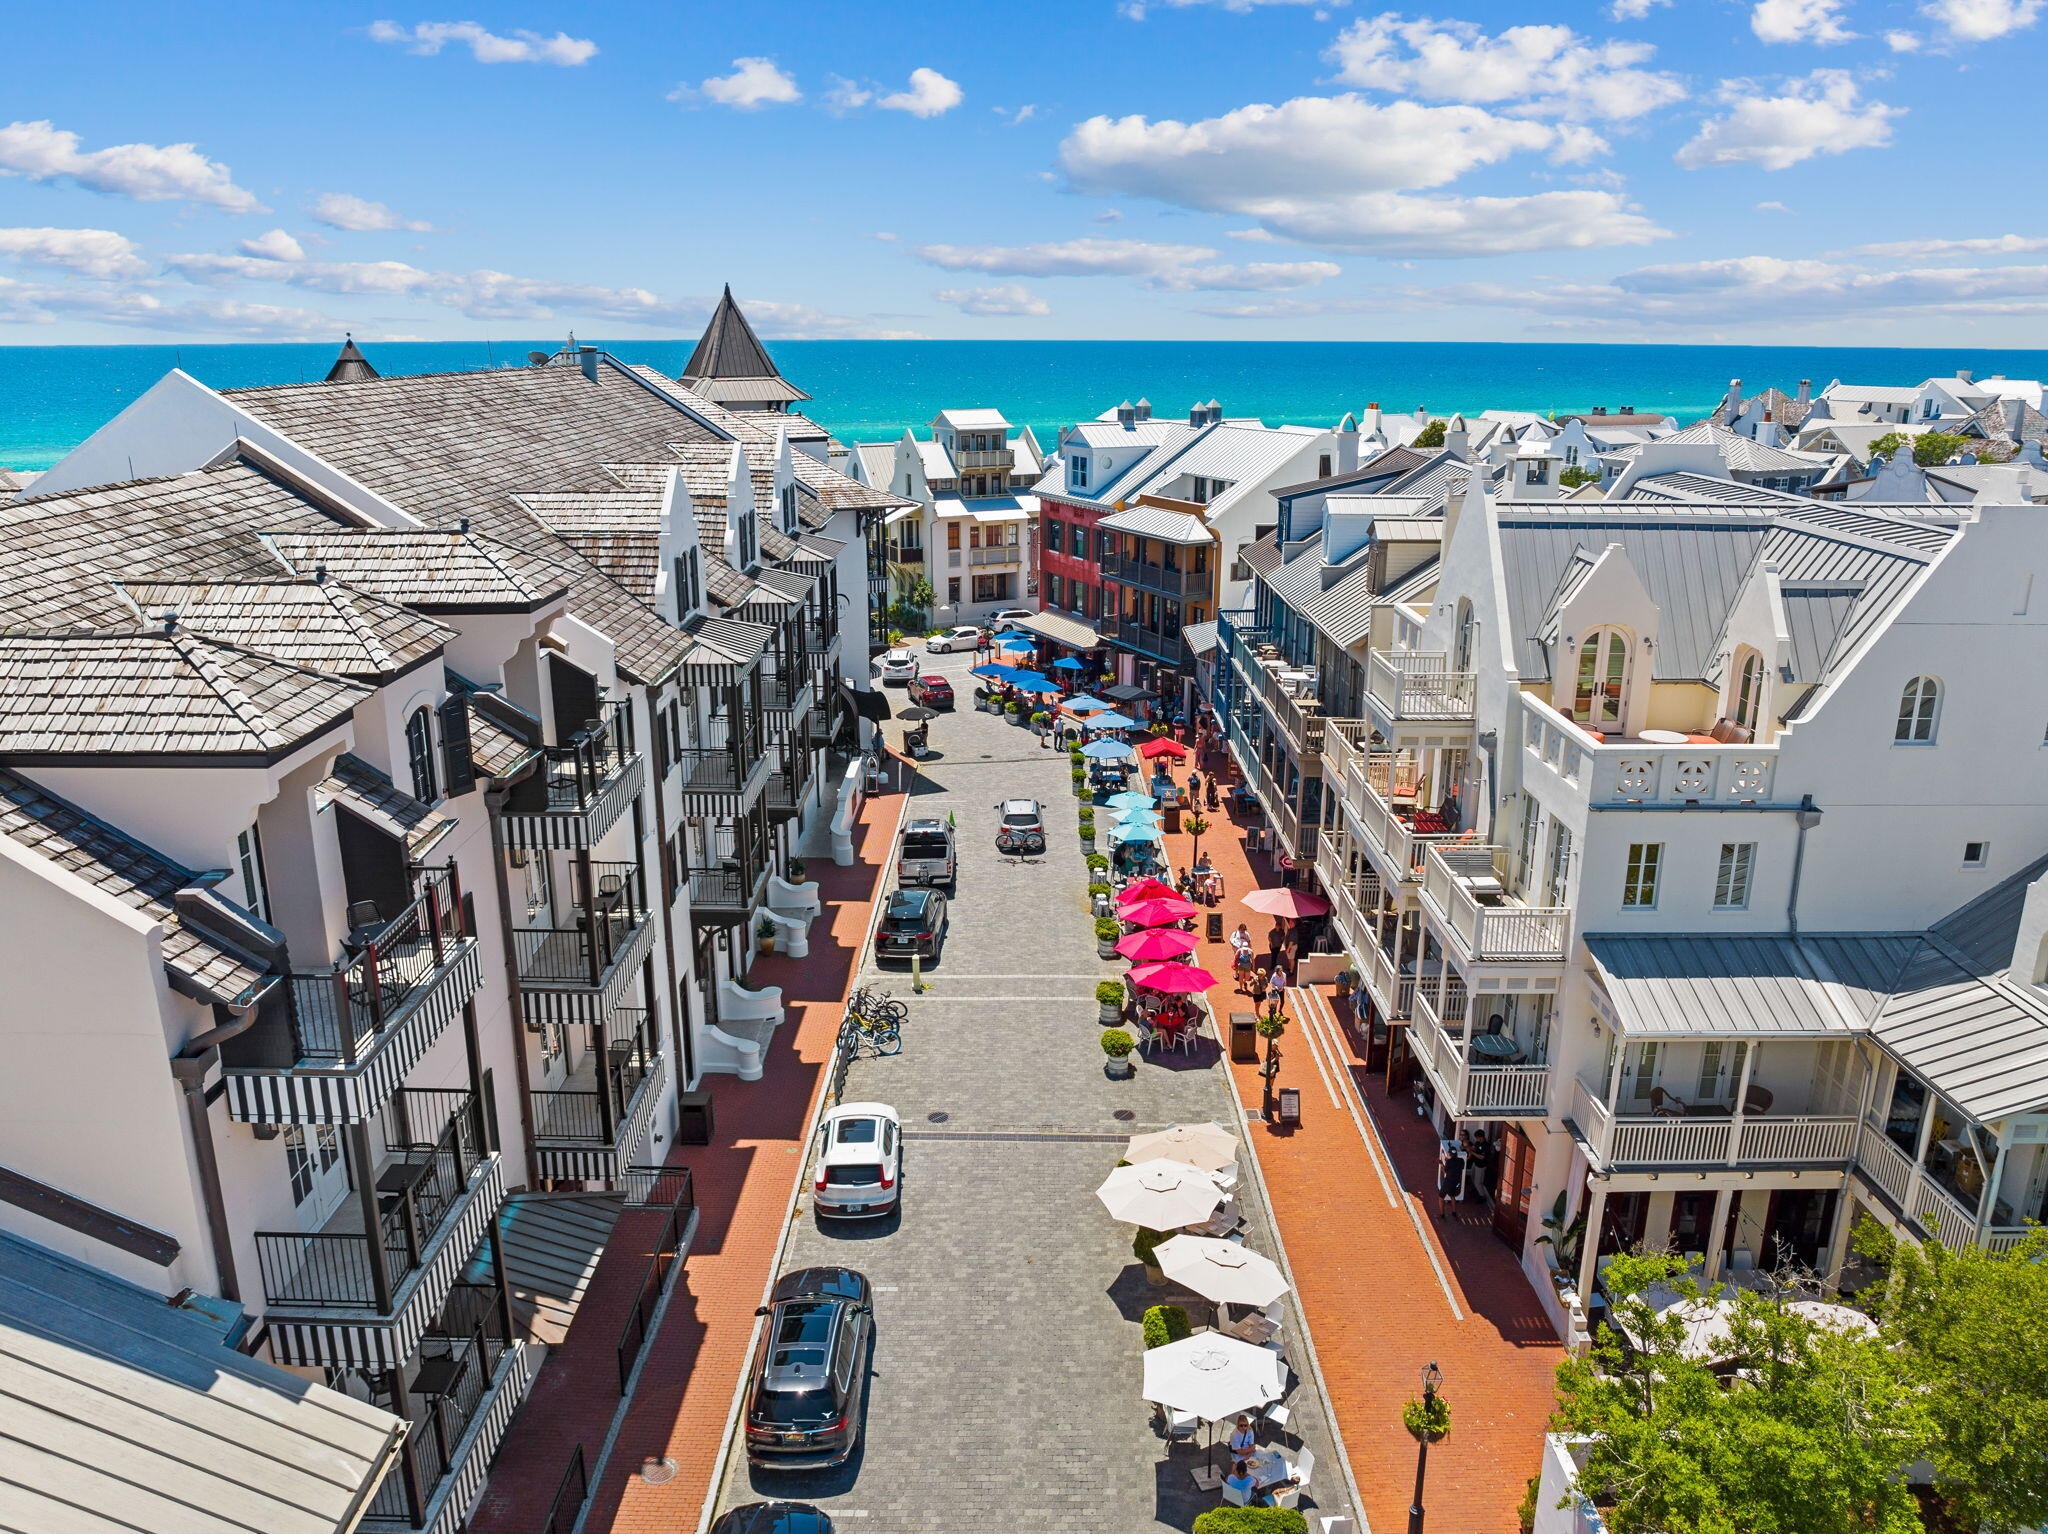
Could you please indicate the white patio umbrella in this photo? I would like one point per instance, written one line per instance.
(1212, 1376)
(1221, 1271)
(1160, 1195)
(1838, 1318)
(1208, 1146)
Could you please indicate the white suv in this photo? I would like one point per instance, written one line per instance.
(1011, 615)
(860, 1161)
(964, 636)
(897, 666)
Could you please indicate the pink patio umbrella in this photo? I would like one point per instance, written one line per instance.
(1176, 979)
(1287, 902)
(1156, 912)
(1159, 943)
(1146, 888)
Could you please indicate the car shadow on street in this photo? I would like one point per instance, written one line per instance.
(858, 1230)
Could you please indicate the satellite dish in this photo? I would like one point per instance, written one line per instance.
(538, 359)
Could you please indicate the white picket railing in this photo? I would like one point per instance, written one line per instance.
(1509, 932)
(1418, 685)
(1883, 1165)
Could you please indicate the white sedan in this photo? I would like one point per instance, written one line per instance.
(896, 666)
(860, 1161)
(963, 636)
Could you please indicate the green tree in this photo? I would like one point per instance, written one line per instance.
(1796, 1429)
(1933, 447)
(1431, 435)
(1968, 1326)
(1576, 475)
(1888, 444)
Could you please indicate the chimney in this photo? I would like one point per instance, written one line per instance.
(1214, 412)
(1805, 390)
(1966, 375)
(586, 358)
(1731, 403)
(1127, 415)
(1347, 444)
(1599, 410)
(1458, 437)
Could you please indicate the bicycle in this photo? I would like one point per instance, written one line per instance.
(867, 1002)
(876, 1038)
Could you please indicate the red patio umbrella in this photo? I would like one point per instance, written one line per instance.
(1147, 888)
(1157, 912)
(1175, 978)
(1158, 943)
(1287, 902)
(1159, 745)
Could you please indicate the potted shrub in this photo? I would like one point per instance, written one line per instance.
(1164, 1324)
(1142, 1246)
(764, 935)
(1427, 1421)
(1087, 828)
(797, 869)
(1098, 865)
(1347, 979)
(1117, 1044)
(1080, 776)
(1251, 1520)
(1107, 930)
(1039, 721)
(1109, 998)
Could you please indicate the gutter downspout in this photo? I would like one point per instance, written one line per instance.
(189, 1068)
(494, 808)
(1806, 817)
(673, 1003)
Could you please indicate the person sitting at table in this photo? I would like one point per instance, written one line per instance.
(1242, 1481)
(1243, 1439)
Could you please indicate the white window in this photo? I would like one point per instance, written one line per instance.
(1077, 473)
(1919, 712)
(1976, 854)
(1731, 881)
(1749, 690)
(1639, 879)
(1602, 679)
(1560, 867)
(249, 864)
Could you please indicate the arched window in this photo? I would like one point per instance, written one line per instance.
(1749, 690)
(1461, 643)
(419, 754)
(1603, 679)
(1919, 712)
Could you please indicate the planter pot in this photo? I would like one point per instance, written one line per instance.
(1123, 1070)
(1433, 1437)
(1109, 1013)
(1156, 1277)
(1106, 951)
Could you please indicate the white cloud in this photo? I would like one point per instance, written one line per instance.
(1799, 21)
(1109, 216)
(1978, 21)
(277, 245)
(1135, 9)
(1067, 258)
(1903, 42)
(89, 252)
(1257, 277)
(24, 303)
(41, 151)
(844, 95)
(1996, 245)
(1009, 298)
(522, 47)
(1547, 70)
(1022, 114)
(1292, 308)
(339, 210)
(753, 83)
(1772, 207)
(1632, 10)
(1821, 114)
(928, 94)
(1331, 171)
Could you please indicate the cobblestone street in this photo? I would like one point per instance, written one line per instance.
(1006, 1377)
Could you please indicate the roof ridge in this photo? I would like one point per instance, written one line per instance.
(214, 675)
(342, 600)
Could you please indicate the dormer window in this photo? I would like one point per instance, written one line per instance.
(788, 504)
(689, 585)
(1602, 684)
(1749, 690)
(1077, 473)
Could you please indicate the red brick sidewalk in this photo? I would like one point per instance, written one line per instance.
(1375, 1305)
(743, 1186)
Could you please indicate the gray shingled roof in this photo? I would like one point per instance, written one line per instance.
(429, 568)
(60, 832)
(730, 352)
(159, 694)
(124, 1413)
(363, 789)
(322, 625)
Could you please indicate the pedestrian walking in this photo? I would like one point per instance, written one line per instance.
(1450, 1177)
(1258, 988)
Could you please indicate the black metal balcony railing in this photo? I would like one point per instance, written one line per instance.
(818, 634)
(782, 690)
(609, 918)
(592, 1115)
(455, 1368)
(726, 888)
(579, 770)
(338, 1016)
(904, 553)
(437, 1142)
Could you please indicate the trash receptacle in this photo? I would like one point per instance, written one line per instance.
(693, 1118)
(1244, 1038)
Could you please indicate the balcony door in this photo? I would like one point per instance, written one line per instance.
(318, 1171)
(1638, 1076)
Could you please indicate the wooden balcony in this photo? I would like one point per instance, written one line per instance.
(581, 788)
(1152, 575)
(1417, 687)
(1652, 1142)
(328, 1047)
(1465, 888)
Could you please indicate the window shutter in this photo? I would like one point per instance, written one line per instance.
(458, 767)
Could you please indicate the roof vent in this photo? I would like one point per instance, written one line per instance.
(462, 526)
(586, 358)
(320, 573)
(169, 619)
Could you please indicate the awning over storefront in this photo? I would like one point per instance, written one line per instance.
(1062, 630)
(863, 703)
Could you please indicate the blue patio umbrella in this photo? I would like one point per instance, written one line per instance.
(994, 672)
(1127, 801)
(1134, 833)
(1084, 704)
(1068, 663)
(1034, 685)
(1109, 722)
(1106, 750)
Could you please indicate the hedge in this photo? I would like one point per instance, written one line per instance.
(1164, 1324)
(1251, 1520)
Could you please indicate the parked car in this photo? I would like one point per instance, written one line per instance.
(1020, 826)
(932, 691)
(805, 1397)
(914, 923)
(859, 1162)
(1011, 615)
(962, 636)
(896, 665)
(774, 1518)
(927, 855)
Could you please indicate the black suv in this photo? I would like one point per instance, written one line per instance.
(913, 923)
(805, 1403)
(774, 1518)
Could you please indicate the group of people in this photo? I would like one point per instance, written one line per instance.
(1252, 976)
(1464, 1168)
(1201, 884)
(1243, 1477)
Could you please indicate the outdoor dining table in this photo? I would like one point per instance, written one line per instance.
(1496, 1049)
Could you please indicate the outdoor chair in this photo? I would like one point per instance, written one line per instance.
(1277, 1416)
(1182, 1425)
(1758, 1100)
(1663, 1102)
(1235, 1496)
(363, 913)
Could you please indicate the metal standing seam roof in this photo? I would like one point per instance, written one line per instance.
(730, 354)
(1201, 638)
(1157, 522)
(1240, 455)
(1341, 611)
(1981, 1043)
(1685, 486)
(137, 875)
(1984, 931)
(123, 1413)
(1756, 985)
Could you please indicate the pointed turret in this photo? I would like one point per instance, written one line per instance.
(351, 366)
(732, 368)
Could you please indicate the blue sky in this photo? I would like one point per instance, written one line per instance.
(1829, 171)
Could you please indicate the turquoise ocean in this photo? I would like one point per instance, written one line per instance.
(53, 397)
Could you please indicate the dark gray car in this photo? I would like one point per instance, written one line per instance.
(806, 1403)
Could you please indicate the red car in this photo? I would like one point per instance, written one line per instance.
(931, 691)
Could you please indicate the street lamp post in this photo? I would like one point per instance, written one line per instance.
(1432, 1377)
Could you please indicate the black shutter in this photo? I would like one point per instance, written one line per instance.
(458, 766)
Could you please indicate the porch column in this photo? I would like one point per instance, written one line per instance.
(1717, 1234)
(1589, 1252)
(1920, 1160)
(1838, 1238)
(601, 1047)
(1749, 1053)
(473, 1057)
(362, 1170)
(593, 923)
(408, 1462)
(505, 1316)
(1987, 1203)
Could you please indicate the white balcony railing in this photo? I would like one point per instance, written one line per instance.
(1618, 771)
(1468, 1090)
(1465, 885)
(1696, 1141)
(1883, 1165)
(1419, 686)
(1954, 1225)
